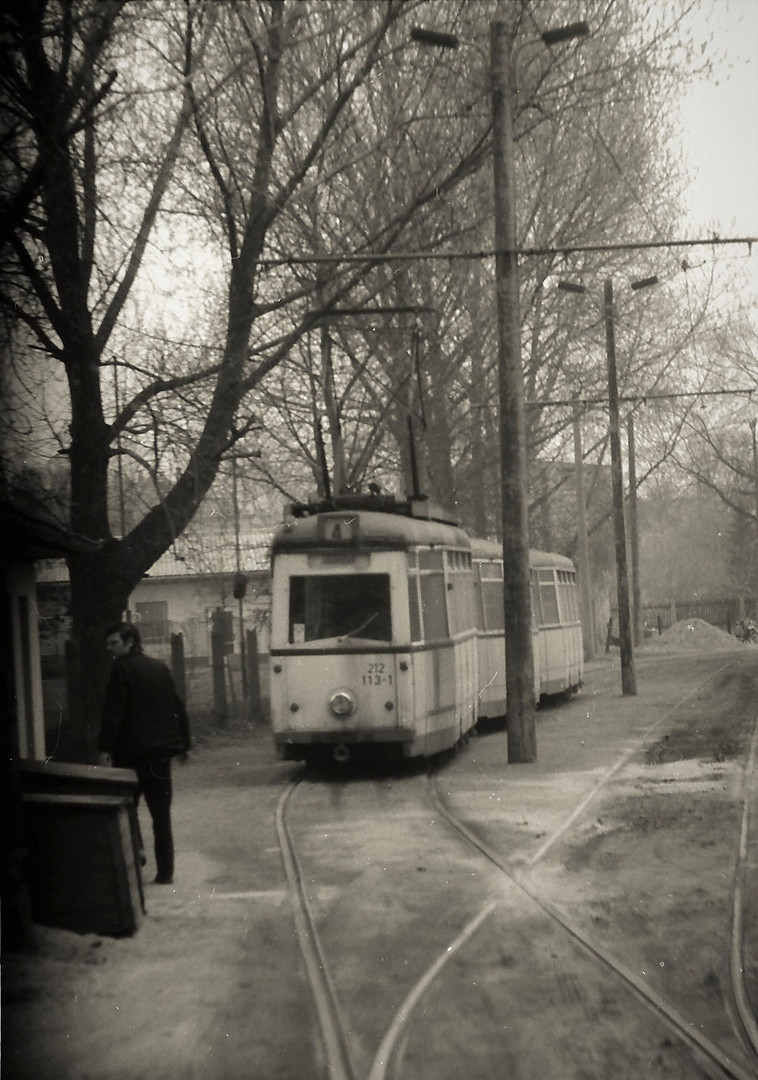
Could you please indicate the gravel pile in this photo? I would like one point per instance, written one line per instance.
(696, 634)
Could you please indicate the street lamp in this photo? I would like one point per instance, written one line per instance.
(626, 647)
(519, 667)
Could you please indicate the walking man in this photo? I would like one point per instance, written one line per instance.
(144, 724)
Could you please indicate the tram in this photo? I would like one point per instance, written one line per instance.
(387, 628)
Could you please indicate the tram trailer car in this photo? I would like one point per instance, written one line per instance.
(385, 629)
(556, 627)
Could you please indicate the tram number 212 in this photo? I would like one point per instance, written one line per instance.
(375, 676)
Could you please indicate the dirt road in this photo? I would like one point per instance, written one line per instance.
(629, 823)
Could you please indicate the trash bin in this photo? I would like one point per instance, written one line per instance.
(83, 874)
(85, 815)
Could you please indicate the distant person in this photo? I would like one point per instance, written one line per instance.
(144, 724)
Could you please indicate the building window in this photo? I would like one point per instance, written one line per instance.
(152, 621)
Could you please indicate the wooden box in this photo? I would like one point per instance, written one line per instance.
(68, 778)
(83, 875)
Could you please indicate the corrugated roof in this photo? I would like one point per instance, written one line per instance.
(215, 555)
(206, 554)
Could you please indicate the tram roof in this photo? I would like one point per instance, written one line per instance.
(544, 560)
(394, 525)
(548, 559)
(374, 529)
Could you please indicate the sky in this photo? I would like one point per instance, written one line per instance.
(720, 124)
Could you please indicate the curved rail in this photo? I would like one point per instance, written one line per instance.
(745, 1021)
(663, 1009)
(386, 1057)
(387, 1060)
(617, 766)
(330, 1024)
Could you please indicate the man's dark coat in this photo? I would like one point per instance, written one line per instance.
(143, 716)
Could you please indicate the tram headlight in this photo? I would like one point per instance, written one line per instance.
(342, 703)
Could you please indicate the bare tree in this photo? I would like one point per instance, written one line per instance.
(189, 152)
(262, 91)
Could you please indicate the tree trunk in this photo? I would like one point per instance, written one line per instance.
(99, 595)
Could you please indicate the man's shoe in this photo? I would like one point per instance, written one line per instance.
(160, 879)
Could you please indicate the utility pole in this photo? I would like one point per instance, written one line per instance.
(755, 491)
(628, 678)
(519, 668)
(588, 619)
(634, 530)
(239, 584)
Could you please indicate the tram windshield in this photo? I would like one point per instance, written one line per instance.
(349, 606)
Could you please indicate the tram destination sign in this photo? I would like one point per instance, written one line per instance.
(339, 528)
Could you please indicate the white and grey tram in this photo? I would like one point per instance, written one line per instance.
(387, 628)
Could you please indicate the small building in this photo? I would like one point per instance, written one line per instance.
(209, 576)
(186, 586)
(68, 832)
(27, 538)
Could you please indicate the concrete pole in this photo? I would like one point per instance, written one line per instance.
(519, 668)
(755, 487)
(588, 618)
(634, 531)
(237, 562)
(628, 678)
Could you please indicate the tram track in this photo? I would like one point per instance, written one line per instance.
(387, 1063)
(330, 1022)
(737, 1002)
(744, 1016)
(337, 1060)
(662, 1008)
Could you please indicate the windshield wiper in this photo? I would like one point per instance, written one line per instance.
(358, 629)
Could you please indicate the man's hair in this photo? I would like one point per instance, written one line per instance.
(127, 632)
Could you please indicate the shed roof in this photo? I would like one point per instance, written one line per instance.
(217, 554)
(206, 554)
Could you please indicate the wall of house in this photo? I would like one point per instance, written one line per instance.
(162, 606)
(189, 605)
(186, 604)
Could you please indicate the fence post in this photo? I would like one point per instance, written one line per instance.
(218, 652)
(177, 665)
(254, 705)
(672, 611)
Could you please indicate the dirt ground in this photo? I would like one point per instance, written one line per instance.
(212, 984)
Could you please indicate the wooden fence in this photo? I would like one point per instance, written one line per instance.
(725, 614)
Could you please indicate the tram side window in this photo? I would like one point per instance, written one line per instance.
(567, 613)
(567, 596)
(562, 597)
(573, 598)
(434, 605)
(426, 595)
(492, 595)
(414, 608)
(479, 596)
(339, 605)
(535, 599)
(548, 597)
(460, 591)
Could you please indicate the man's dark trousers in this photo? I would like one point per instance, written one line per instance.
(154, 776)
